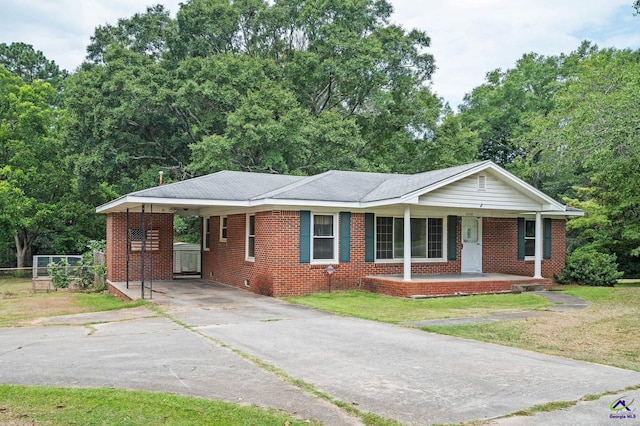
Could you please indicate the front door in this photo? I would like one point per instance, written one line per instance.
(471, 244)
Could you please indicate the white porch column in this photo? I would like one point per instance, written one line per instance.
(407, 245)
(537, 263)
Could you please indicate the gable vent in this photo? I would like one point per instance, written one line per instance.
(482, 182)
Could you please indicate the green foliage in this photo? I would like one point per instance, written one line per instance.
(87, 274)
(287, 87)
(59, 273)
(396, 310)
(587, 266)
(37, 202)
(91, 274)
(48, 405)
(25, 62)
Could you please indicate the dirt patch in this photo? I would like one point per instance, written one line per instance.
(596, 334)
(41, 306)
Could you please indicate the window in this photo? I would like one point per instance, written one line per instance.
(206, 233)
(323, 244)
(251, 236)
(427, 238)
(384, 242)
(435, 235)
(223, 228)
(529, 238)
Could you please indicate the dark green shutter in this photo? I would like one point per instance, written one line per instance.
(547, 238)
(452, 237)
(345, 236)
(305, 236)
(369, 238)
(521, 239)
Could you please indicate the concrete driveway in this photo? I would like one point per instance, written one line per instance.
(400, 373)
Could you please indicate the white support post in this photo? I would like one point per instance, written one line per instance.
(407, 245)
(537, 263)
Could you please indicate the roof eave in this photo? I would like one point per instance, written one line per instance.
(129, 201)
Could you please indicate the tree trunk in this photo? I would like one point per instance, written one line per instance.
(21, 250)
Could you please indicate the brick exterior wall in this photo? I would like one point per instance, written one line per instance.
(116, 256)
(277, 257)
(225, 260)
(500, 248)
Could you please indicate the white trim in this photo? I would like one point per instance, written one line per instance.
(246, 238)
(206, 232)
(335, 237)
(223, 227)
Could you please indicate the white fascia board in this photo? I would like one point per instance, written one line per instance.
(564, 213)
(128, 201)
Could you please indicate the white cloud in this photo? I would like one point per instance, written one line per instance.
(469, 37)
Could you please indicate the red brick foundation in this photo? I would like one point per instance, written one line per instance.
(396, 287)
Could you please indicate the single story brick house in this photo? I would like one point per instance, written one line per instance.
(392, 233)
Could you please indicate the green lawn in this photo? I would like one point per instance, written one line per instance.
(66, 406)
(604, 333)
(397, 310)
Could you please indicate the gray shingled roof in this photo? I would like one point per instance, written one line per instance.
(225, 185)
(227, 188)
(339, 186)
(397, 186)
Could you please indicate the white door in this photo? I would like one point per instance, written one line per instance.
(471, 244)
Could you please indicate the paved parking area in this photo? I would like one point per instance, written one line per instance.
(396, 372)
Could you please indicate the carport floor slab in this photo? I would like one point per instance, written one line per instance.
(407, 374)
(152, 354)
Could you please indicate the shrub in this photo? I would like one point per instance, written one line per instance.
(58, 272)
(263, 284)
(587, 266)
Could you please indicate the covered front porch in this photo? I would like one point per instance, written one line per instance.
(452, 284)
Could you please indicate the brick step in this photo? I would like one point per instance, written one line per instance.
(526, 287)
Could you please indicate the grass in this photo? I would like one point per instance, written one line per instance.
(19, 305)
(604, 333)
(67, 406)
(397, 310)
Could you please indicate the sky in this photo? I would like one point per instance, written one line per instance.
(468, 37)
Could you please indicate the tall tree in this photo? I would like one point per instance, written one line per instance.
(292, 86)
(593, 132)
(501, 109)
(32, 175)
(30, 64)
